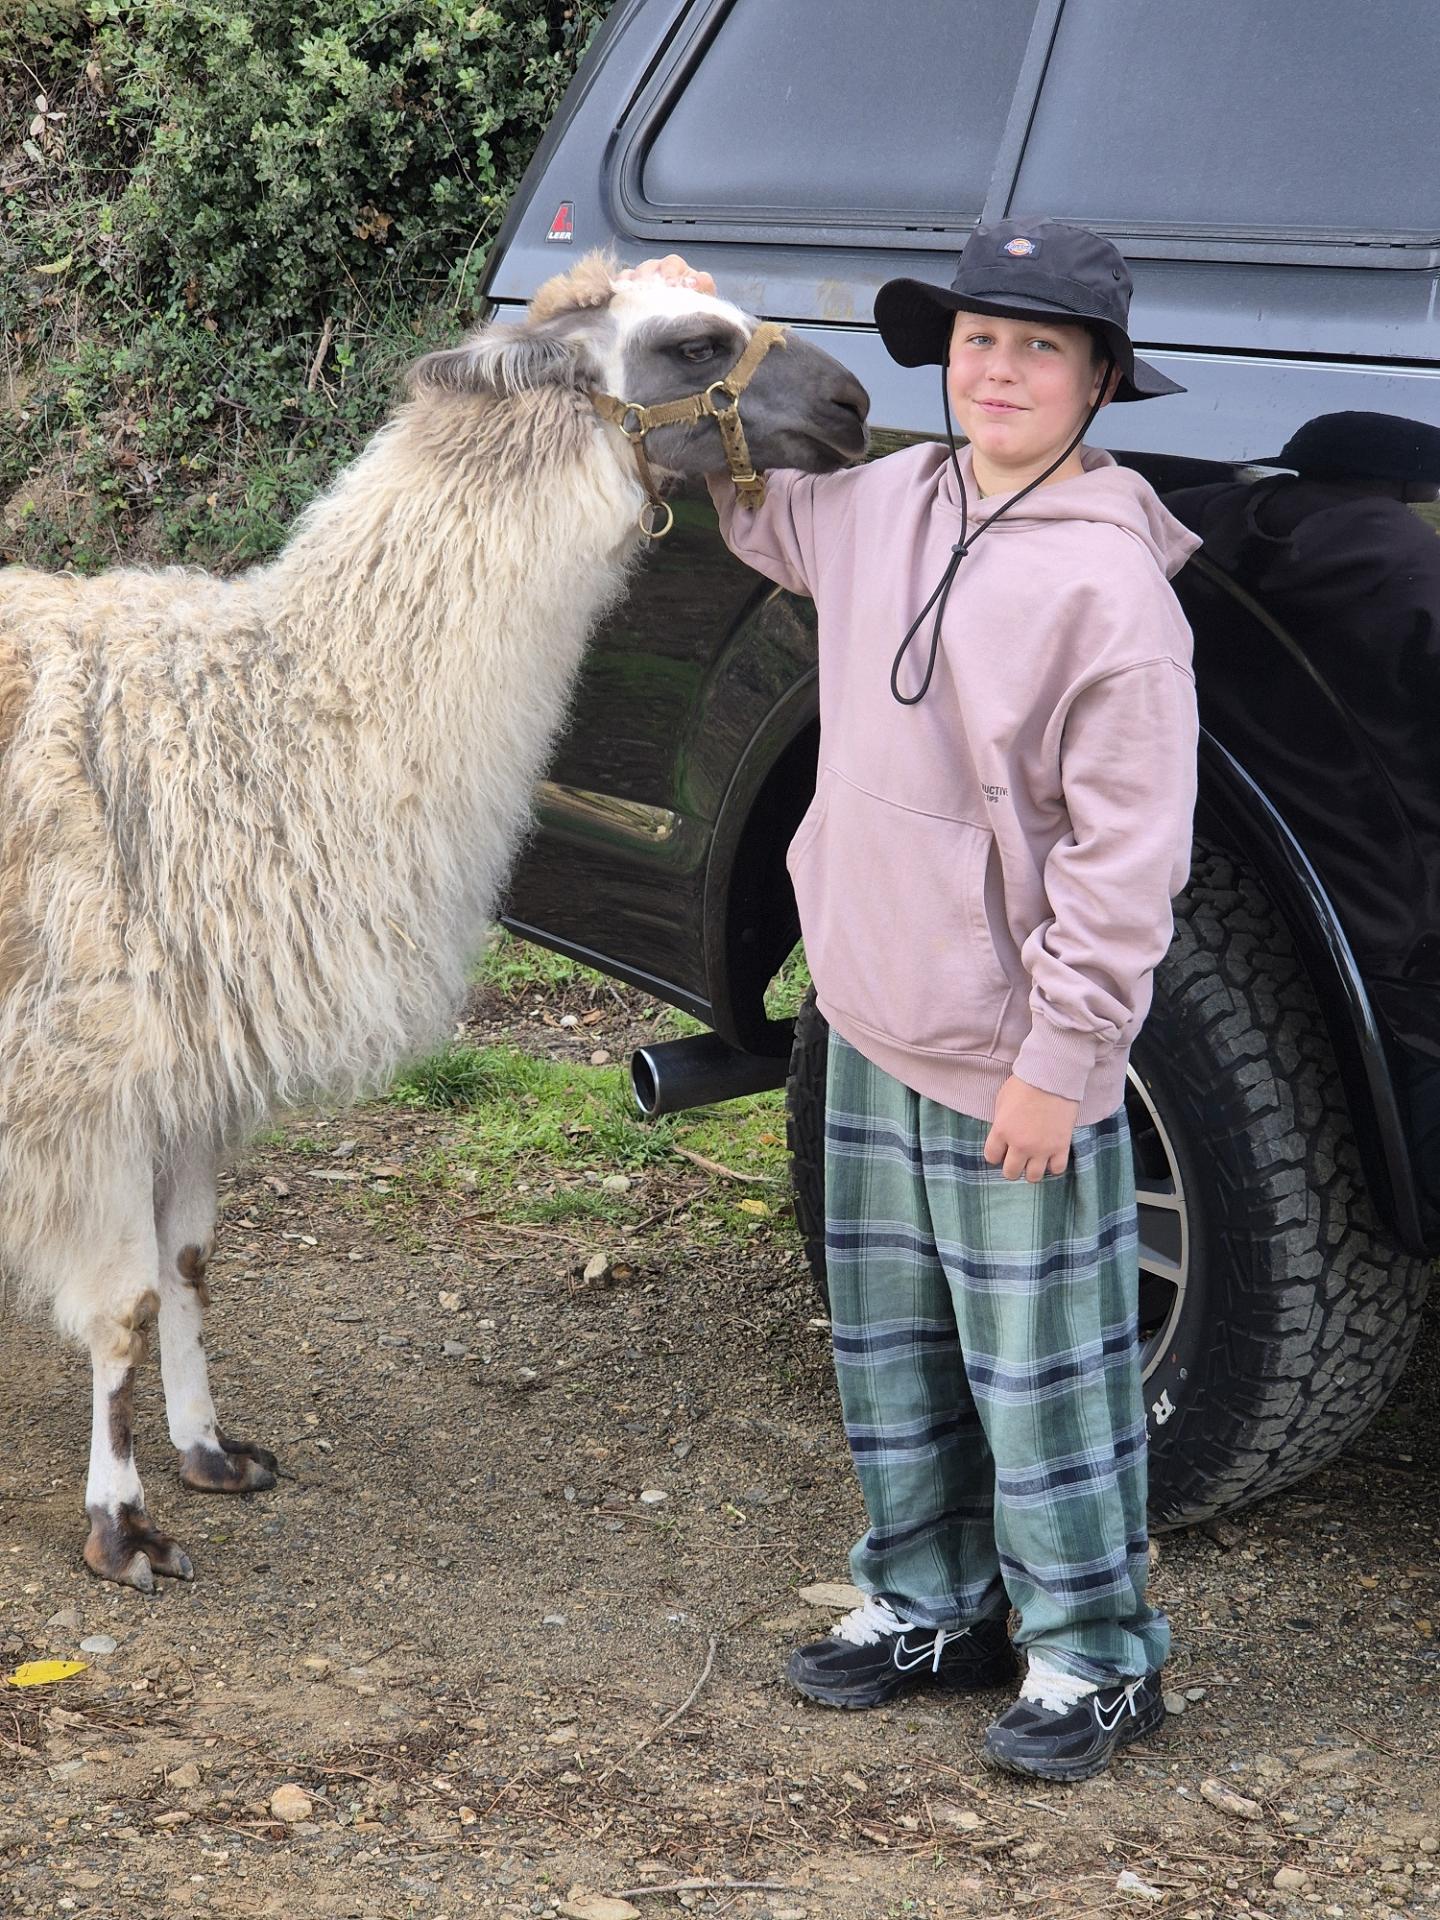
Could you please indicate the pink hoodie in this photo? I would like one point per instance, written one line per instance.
(984, 880)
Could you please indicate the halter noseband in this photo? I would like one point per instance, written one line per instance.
(720, 402)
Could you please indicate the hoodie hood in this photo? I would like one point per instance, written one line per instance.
(1105, 494)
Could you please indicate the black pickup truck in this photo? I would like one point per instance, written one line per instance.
(1285, 1093)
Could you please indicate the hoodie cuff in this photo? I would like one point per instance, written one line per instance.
(1057, 1059)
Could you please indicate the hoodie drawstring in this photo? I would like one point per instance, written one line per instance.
(963, 545)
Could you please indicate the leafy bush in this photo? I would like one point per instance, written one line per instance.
(224, 225)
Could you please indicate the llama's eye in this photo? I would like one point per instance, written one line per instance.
(697, 351)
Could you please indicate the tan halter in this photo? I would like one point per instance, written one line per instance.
(720, 402)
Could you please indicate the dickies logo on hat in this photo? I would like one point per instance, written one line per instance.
(1020, 248)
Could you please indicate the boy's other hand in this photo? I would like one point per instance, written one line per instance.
(673, 269)
(1032, 1131)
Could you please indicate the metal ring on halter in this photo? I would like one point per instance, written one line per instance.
(720, 386)
(636, 432)
(647, 519)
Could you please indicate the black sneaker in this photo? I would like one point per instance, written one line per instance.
(872, 1655)
(1056, 1742)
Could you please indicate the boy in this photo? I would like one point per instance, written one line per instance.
(1002, 815)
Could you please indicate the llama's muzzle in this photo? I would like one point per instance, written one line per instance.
(720, 402)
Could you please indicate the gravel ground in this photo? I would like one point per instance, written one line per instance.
(507, 1637)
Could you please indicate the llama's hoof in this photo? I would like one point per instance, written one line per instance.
(125, 1548)
(234, 1466)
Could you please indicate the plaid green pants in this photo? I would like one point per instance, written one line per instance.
(989, 1373)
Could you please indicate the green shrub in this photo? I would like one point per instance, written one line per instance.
(225, 224)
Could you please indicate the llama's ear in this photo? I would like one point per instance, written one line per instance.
(498, 362)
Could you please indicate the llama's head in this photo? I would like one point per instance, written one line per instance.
(648, 342)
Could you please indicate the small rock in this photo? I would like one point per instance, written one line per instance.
(617, 1183)
(315, 1665)
(99, 1643)
(344, 1150)
(1329, 1760)
(1132, 1884)
(455, 1350)
(1288, 1880)
(177, 1817)
(184, 1777)
(569, 1020)
(597, 1270)
(965, 1818)
(67, 1620)
(1174, 1703)
(1228, 1801)
(653, 1497)
(554, 1620)
(600, 1057)
(291, 1803)
(1225, 1533)
(1194, 1693)
(452, 1302)
(831, 1593)
(582, 1904)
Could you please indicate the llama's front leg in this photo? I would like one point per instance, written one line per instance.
(210, 1462)
(123, 1546)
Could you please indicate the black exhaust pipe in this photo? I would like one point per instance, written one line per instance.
(694, 1073)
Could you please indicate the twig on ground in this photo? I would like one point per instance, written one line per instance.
(1389, 1752)
(711, 1886)
(530, 1233)
(670, 1719)
(728, 1173)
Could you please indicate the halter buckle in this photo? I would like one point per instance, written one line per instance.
(640, 429)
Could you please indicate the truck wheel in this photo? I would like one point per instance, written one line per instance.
(1275, 1315)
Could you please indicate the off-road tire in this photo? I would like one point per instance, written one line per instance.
(1299, 1311)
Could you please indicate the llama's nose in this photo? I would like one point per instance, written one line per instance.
(851, 406)
(850, 397)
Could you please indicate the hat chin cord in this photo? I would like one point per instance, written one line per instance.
(967, 540)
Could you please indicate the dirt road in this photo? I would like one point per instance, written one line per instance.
(514, 1621)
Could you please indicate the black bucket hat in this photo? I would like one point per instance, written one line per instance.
(1361, 446)
(1016, 269)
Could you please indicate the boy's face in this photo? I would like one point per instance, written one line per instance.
(1020, 388)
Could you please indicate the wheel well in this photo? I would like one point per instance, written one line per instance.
(761, 923)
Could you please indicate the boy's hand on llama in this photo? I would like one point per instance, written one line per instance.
(1032, 1131)
(672, 269)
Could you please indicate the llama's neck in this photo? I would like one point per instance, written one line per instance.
(435, 605)
(457, 567)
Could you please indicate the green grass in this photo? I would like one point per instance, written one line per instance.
(533, 1138)
(519, 967)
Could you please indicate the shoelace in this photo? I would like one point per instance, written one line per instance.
(1057, 1692)
(876, 1620)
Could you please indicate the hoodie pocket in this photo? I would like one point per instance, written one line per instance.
(892, 908)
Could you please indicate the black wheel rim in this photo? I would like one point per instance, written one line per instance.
(1164, 1221)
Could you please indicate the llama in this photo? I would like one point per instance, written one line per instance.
(254, 828)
